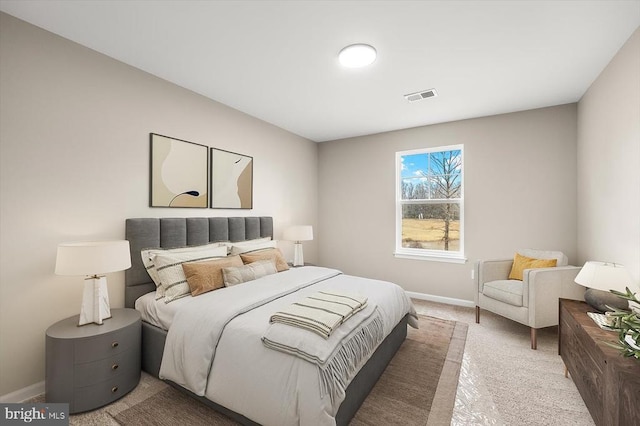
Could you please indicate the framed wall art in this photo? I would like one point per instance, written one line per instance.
(179, 173)
(231, 180)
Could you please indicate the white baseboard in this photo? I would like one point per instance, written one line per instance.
(24, 394)
(441, 299)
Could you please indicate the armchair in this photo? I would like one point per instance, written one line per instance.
(532, 301)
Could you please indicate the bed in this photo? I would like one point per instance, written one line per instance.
(168, 233)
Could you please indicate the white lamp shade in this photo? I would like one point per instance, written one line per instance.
(299, 233)
(92, 257)
(603, 276)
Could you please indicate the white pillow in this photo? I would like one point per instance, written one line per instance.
(169, 268)
(229, 244)
(545, 254)
(241, 274)
(249, 246)
(148, 255)
(147, 261)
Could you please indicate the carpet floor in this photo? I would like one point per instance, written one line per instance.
(417, 388)
(504, 382)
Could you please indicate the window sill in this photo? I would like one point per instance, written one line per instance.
(431, 258)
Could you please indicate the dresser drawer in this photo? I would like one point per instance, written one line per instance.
(100, 394)
(105, 346)
(581, 350)
(580, 356)
(88, 373)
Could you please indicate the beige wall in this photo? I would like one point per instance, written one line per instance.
(74, 163)
(609, 163)
(520, 191)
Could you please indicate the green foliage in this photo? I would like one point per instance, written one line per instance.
(627, 324)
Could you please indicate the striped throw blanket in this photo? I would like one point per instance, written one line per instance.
(322, 312)
(337, 358)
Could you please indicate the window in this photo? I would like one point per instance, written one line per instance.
(430, 203)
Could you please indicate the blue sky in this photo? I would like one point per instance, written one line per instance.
(412, 164)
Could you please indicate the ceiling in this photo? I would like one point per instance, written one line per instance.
(277, 60)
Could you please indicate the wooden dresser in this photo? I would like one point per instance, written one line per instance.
(608, 382)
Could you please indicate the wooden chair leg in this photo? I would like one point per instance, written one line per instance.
(477, 314)
(534, 339)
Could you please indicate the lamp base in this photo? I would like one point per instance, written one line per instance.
(298, 258)
(95, 301)
(599, 300)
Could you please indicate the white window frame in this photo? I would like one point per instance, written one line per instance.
(420, 253)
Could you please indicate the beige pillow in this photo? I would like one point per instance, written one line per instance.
(248, 243)
(251, 245)
(207, 275)
(250, 272)
(267, 254)
(520, 263)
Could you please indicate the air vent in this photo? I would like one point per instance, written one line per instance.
(418, 96)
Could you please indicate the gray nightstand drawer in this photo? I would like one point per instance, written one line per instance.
(100, 394)
(93, 365)
(93, 348)
(89, 373)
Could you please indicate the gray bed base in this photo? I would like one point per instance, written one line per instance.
(179, 232)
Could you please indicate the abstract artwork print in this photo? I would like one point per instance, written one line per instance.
(179, 173)
(231, 180)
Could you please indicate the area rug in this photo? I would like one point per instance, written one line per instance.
(418, 387)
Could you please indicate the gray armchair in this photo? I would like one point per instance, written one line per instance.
(532, 301)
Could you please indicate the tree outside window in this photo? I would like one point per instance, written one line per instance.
(429, 202)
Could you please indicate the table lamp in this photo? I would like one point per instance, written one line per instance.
(93, 259)
(298, 234)
(600, 277)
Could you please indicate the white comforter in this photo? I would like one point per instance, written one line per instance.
(214, 346)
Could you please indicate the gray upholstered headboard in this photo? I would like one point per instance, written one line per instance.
(179, 232)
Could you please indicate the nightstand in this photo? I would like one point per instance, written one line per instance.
(93, 365)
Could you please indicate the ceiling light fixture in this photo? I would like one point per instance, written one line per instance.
(357, 56)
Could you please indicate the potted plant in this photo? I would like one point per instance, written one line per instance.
(627, 324)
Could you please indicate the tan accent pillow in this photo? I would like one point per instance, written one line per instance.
(207, 276)
(266, 254)
(249, 272)
(520, 263)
